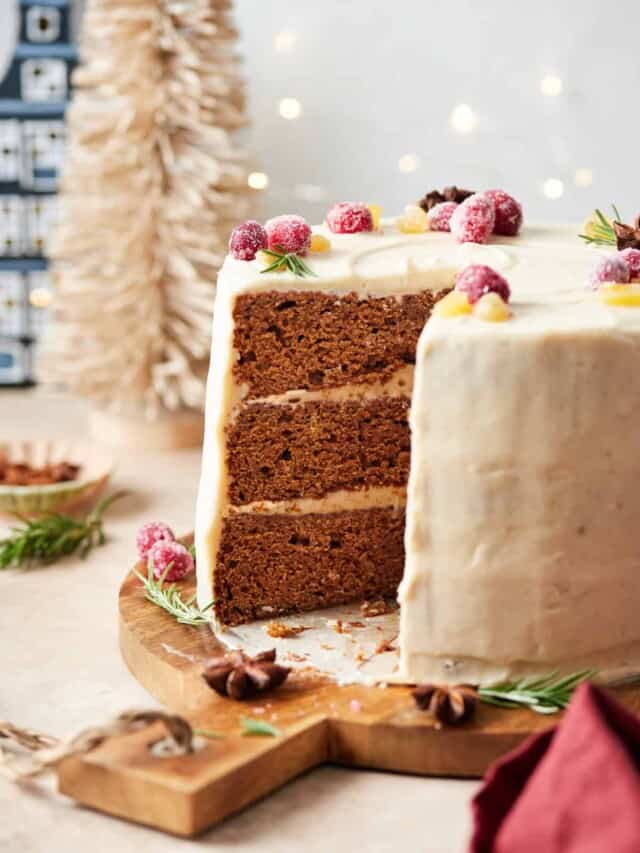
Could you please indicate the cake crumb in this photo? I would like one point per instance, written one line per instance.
(385, 646)
(327, 647)
(377, 608)
(280, 631)
(356, 624)
(295, 658)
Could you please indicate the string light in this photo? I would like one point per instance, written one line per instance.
(463, 119)
(284, 41)
(583, 177)
(551, 85)
(258, 180)
(290, 108)
(408, 163)
(553, 188)
(40, 297)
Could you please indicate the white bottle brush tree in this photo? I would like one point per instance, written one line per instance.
(151, 187)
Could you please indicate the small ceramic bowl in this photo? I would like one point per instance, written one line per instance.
(95, 470)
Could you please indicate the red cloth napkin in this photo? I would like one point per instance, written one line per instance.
(571, 789)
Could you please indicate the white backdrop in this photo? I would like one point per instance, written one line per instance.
(378, 80)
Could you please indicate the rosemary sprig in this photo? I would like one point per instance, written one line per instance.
(261, 728)
(50, 537)
(209, 733)
(287, 260)
(601, 231)
(545, 695)
(170, 599)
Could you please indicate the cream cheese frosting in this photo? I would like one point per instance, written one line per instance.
(520, 544)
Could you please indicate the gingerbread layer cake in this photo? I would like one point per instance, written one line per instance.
(522, 548)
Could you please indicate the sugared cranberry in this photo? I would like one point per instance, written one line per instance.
(246, 240)
(508, 213)
(149, 534)
(478, 279)
(288, 233)
(632, 259)
(610, 268)
(349, 217)
(473, 220)
(174, 554)
(440, 216)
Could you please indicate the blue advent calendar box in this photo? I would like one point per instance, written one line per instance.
(33, 99)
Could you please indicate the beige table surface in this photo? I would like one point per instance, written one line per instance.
(60, 670)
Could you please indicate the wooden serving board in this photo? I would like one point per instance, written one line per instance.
(319, 722)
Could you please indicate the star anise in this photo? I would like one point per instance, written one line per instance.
(237, 675)
(448, 194)
(627, 236)
(448, 705)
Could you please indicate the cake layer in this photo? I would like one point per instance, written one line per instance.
(275, 564)
(281, 452)
(296, 340)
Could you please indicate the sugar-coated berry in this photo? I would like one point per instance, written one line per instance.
(611, 268)
(349, 217)
(508, 213)
(632, 260)
(288, 233)
(491, 308)
(478, 279)
(174, 554)
(440, 216)
(246, 240)
(319, 243)
(149, 534)
(473, 220)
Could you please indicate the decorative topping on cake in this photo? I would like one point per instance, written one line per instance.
(277, 261)
(491, 308)
(508, 213)
(319, 243)
(603, 231)
(350, 217)
(632, 259)
(454, 304)
(627, 236)
(376, 213)
(473, 220)
(288, 234)
(453, 194)
(610, 268)
(413, 221)
(620, 294)
(479, 289)
(447, 705)
(237, 675)
(170, 561)
(247, 239)
(478, 279)
(149, 534)
(440, 216)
